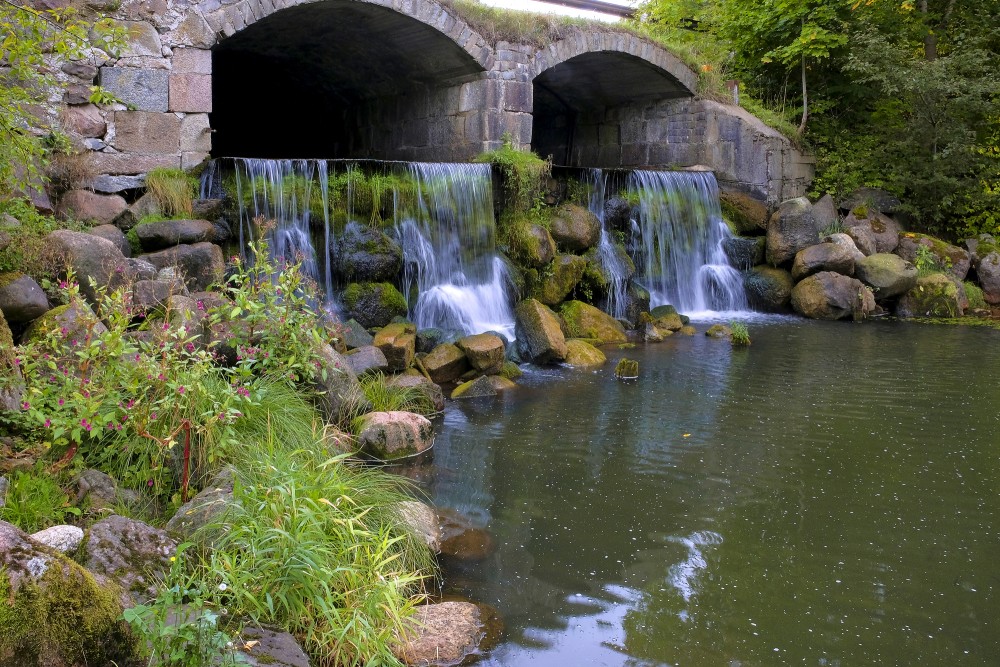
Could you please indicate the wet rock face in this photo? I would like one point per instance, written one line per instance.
(791, 228)
(364, 254)
(539, 336)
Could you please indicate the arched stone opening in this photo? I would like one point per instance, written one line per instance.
(342, 78)
(585, 106)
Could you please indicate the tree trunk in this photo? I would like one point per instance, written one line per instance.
(930, 39)
(805, 100)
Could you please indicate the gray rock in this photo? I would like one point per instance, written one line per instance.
(145, 206)
(575, 228)
(150, 295)
(115, 235)
(889, 275)
(273, 648)
(131, 553)
(880, 200)
(141, 269)
(201, 263)
(395, 434)
(4, 485)
(422, 520)
(769, 289)
(541, 248)
(863, 238)
(951, 259)
(440, 634)
(206, 507)
(823, 257)
(99, 490)
(141, 89)
(340, 393)
(109, 184)
(169, 233)
(91, 258)
(75, 319)
(791, 228)
(617, 213)
(745, 252)
(988, 271)
(21, 298)
(481, 387)
(398, 342)
(884, 229)
(355, 335)
(87, 206)
(374, 304)
(63, 539)
(832, 296)
(364, 254)
(825, 212)
(367, 359)
(539, 336)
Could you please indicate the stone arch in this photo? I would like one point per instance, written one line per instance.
(585, 85)
(349, 78)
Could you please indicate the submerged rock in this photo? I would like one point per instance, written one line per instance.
(479, 388)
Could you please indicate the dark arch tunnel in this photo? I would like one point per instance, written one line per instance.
(330, 79)
(576, 117)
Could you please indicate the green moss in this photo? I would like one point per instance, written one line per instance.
(522, 175)
(9, 277)
(511, 371)
(65, 615)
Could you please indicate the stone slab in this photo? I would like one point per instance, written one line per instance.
(192, 61)
(129, 163)
(190, 92)
(144, 132)
(143, 89)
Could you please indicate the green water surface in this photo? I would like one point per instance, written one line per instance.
(828, 496)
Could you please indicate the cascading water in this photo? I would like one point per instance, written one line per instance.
(449, 249)
(678, 236)
(615, 267)
(442, 214)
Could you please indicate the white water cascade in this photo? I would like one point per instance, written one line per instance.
(612, 263)
(678, 236)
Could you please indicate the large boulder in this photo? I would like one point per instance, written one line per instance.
(485, 352)
(21, 298)
(168, 233)
(201, 264)
(374, 304)
(988, 270)
(666, 318)
(951, 259)
(150, 295)
(539, 335)
(87, 206)
(445, 363)
(791, 229)
(398, 343)
(90, 257)
(558, 281)
(395, 434)
(363, 254)
(111, 233)
(585, 321)
(575, 228)
(746, 214)
(74, 321)
(863, 237)
(440, 634)
(745, 252)
(884, 229)
(888, 275)
(870, 198)
(540, 247)
(53, 612)
(130, 553)
(582, 354)
(336, 383)
(847, 242)
(367, 359)
(204, 509)
(832, 296)
(355, 335)
(825, 212)
(934, 295)
(768, 289)
(823, 257)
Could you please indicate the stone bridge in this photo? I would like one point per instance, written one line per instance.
(407, 80)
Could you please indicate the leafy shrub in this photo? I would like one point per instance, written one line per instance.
(35, 501)
(28, 254)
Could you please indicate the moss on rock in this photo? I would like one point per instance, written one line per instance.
(585, 321)
(581, 353)
(374, 304)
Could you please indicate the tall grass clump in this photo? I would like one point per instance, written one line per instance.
(317, 547)
(739, 335)
(173, 189)
(385, 396)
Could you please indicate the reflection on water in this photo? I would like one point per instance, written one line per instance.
(827, 497)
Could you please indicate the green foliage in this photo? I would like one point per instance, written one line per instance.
(928, 262)
(975, 295)
(831, 229)
(384, 396)
(739, 336)
(626, 369)
(174, 190)
(35, 501)
(33, 41)
(180, 628)
(522, 175)
(317, 547)
(28, 254)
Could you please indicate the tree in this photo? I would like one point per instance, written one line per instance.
(34, 42)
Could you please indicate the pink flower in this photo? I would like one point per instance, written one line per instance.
(149, 483)
(25, 405)
(61, 401)
(180, 390)
(48, 423)
(86, 425)
(152, 416)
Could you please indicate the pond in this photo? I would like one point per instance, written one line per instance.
(829, 496)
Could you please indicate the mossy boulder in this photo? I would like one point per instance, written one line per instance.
(539, 248)
(585, 321)
(374, 304)
(934, 295)
(746, 214)
(950, 259)
(597, 266)
(718, 331)
(539, 335)
(832, 296)
(745, 252)
(480, 387)
(666, 318)
(485, 352)
(790, 229)
(582, 354)
(21, 298)
(53, 612)
(823, 257)
(73, 320)
(988, 272)
(769, 289)
(394, 434)
(888, 275)
(445, 363)
(510, 370)
(398, 343)
(559, 279)
(575, 228)
(883, 229)
(364, 254)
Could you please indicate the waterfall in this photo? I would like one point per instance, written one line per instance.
(442, 215)
(449, 251)
(678, 236)
(614, 266)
